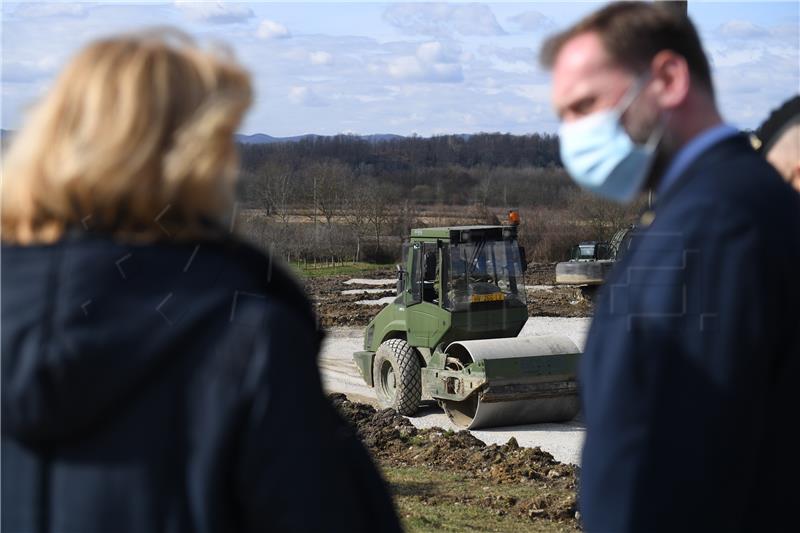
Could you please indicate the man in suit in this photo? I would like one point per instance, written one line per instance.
(687, 376)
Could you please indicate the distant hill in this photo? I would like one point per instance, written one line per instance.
(262, 138)
(381, 137)
(258, 138)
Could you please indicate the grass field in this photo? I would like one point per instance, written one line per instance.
(434, 500)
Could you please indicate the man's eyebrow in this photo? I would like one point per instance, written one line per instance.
(575, 105)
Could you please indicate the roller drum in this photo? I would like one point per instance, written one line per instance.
(543, 390)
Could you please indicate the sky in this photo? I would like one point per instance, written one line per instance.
(407, 68)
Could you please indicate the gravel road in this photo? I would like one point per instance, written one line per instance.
(564, 441)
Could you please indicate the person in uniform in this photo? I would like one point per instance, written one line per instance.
(689, 371)
(778, 139)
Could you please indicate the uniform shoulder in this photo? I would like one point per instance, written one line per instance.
(748, 184)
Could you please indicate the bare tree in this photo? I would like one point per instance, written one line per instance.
(326, 190)
(380, 197)
(272, 190)
(355, 215)
(604, 217)
(370, 210)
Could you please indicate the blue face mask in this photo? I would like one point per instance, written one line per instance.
(600, 155)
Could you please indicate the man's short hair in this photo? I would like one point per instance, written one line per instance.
(781, 120)
(633, 33)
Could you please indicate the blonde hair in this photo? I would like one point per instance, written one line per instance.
(134, 139)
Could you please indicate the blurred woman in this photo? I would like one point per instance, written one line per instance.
(157, 374)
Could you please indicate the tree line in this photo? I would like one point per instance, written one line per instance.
(410, 153)
(347, 197)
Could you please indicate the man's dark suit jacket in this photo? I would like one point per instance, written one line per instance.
(690, 375)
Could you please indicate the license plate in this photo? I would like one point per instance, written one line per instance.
(494, 297)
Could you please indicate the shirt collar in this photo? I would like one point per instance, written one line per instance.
(691, 151)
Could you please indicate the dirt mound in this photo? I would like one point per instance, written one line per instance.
(559, 301)
(393, 440)
(336, 309)
(541, 274)
(345, 313)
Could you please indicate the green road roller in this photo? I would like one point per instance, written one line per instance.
(451, 335)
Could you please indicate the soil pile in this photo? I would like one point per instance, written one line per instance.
(541, 274)
(393, 440)
(560, 301)
(336, 309)
(555, 300)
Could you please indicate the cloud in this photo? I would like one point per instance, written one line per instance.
(739, 72)
(789, 32)
(305, 96)
(532, 21)
(511, 55)
(214, 12)
(734, 57)
(442, 20)
(537, 93)
(41, 9)
(520, 114)
(433, 62)
(741, 29)
(269, 29)
(320, 58)
(436, 52)
(26, 72)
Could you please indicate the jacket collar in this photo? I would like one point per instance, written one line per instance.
(691, 151)
(711, 155)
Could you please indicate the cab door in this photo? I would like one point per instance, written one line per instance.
(423, 311)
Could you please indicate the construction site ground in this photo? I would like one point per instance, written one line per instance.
(520, 478)
(340, 303)
(452, 481)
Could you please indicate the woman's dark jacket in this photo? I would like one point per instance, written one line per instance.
(170, 388)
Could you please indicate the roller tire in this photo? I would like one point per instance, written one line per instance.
(398, 376)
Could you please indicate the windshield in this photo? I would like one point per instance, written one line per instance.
(484, 272)
(585, 251)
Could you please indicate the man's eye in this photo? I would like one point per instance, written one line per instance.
(583, 106)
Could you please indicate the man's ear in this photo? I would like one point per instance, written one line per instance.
(672, 71)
